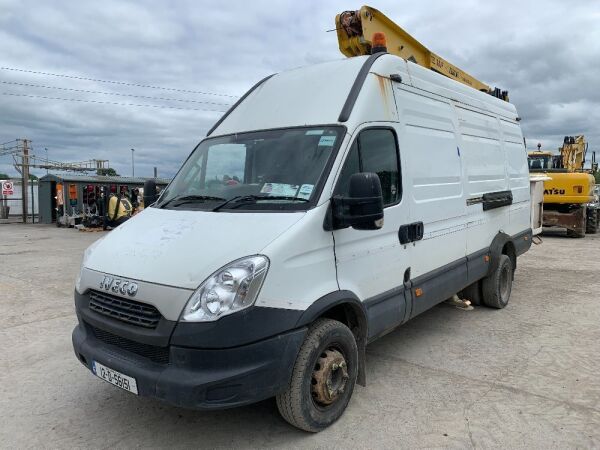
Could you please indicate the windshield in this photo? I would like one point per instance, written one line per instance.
(264, 170)
(540, 162)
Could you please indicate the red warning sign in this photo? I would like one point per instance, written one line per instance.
(8, 188)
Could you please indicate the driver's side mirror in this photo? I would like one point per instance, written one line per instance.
(362, 209)
(150, 193)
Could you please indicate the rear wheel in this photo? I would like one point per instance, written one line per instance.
(591, 224)
(497, 286)
(323, 378)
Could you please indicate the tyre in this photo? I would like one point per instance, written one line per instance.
(574, 234)
(496, 287)
(472, 293)
(323, 377)
(591, 223)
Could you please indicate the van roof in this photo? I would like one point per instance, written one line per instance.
(316, 94)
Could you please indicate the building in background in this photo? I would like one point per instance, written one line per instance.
(81, 191)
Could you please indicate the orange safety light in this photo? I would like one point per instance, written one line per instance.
(378, 43)
(418, 292)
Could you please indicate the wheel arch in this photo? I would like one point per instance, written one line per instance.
(502, 245)
(345, 307)
(509, 250)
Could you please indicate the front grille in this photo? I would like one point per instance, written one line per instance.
(156, 354)
(130, 311)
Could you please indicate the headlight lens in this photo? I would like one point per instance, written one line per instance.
(86, 256)
(230, 289)
(78, 280)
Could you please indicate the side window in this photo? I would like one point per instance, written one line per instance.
(373, 151)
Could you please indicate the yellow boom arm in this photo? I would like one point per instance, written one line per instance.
(355, 30)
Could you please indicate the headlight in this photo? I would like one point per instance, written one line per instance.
(86, 256)
(230, 289)
(78, 280)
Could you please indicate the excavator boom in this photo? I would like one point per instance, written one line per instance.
(356, 28)
(573, 152)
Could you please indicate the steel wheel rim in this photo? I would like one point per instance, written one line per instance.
(505, 283)
(329, 377)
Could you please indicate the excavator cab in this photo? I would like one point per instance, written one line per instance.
(540, 161)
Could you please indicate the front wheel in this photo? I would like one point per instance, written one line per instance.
(323, 378)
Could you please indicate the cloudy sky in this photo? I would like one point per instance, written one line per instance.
(202, 56)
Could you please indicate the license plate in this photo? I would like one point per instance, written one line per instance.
(113, 377)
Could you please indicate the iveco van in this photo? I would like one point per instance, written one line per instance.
(330, 204)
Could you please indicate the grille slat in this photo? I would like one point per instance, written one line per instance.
(156, 354)
(125, 310)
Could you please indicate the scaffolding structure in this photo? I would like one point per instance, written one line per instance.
(23, 161)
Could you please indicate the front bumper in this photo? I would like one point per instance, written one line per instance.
(200, 378)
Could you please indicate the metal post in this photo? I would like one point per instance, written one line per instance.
(132, 163)
(25, 182)
(32, 204)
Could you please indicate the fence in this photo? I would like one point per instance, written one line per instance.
(14, 203)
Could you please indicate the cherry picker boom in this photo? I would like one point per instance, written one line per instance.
(356, 28)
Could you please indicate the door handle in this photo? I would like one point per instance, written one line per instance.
(411, 232)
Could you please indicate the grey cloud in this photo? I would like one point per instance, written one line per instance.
(546, 53)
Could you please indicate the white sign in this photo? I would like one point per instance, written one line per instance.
(7, 188)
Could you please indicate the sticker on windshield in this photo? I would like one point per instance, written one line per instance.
(314, 132)
(288, 190)
(305, 191)
(327, 141)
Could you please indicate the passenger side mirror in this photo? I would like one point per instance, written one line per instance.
(150, 194)
(362, 209)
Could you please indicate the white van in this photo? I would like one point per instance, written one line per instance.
(330, 205)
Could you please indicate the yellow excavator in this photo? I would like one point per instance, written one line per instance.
(355, 31)
(569, 200)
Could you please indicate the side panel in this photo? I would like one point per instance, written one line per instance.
(438, 285)
(302, 264)
(478, 265)
(484, 158)
(383, 313)
(518, 173)
(434, 187)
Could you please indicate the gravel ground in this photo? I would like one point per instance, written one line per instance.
(526, 376)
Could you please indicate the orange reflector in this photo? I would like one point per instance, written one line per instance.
(418, 292)
(486, 258)
(378, 40)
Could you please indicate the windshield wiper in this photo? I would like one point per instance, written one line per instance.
(245, 199)
(182, 199)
